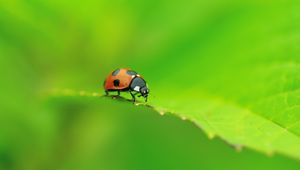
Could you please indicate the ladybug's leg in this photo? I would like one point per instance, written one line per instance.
(118, 93)
(133, 96)
(106, 93)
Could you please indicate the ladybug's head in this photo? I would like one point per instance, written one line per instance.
(144, 91)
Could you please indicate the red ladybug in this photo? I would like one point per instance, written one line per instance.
(126, 80)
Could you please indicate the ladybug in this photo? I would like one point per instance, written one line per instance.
(126, 80)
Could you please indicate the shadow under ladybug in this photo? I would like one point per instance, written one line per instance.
(126, 80)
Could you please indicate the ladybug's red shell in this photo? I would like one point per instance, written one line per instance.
(119, 79)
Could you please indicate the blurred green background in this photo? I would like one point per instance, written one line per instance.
(175, 45)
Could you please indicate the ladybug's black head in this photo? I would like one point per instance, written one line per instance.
(144, 91)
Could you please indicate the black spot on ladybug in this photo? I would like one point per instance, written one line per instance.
(116, 72)
(131, 72)
(116, 82)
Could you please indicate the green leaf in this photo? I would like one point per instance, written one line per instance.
(237, 125)
(92, 131)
